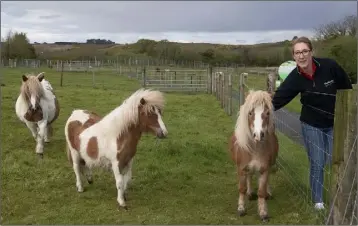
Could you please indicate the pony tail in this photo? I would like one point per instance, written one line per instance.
(69, 155)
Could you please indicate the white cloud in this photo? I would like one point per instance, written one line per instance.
(126, 22)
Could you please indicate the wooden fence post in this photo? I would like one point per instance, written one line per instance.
(222, 90)
(61, 82)
(271, 82)
(242, 89)
(144, 78)
(223, 97)
(210, 80)
(218, 86)
(344, 158)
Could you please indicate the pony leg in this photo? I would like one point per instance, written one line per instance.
(40, 138)
(242, 192)
(128, 174)
(262, 195)
(77, 169)
(269, 192)
(87, 172)
(249, 188)
(33, 128)
(119, 184)
(48, 133)
(127, 178)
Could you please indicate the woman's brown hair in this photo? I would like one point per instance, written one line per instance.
(302, 39)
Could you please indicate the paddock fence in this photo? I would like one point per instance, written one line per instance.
(341, 182)
(176, 80)
(116, 62)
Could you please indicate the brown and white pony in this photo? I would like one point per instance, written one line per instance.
(111, 142)
(254, 148)
(38, 107)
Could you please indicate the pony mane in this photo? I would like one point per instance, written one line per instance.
(242, 130)
(32, 86)
(120, 119)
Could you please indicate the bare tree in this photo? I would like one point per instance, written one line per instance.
(350, 22)
(343, 27)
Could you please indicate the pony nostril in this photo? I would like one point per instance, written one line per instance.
(262, 134)
(254, 135)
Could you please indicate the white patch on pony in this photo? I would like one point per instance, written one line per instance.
(161, 123)
(258, 122)
(33, 102)
(79, 115)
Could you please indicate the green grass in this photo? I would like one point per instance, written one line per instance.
(186, 179)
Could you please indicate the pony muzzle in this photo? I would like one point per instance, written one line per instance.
(258, 136)
(162, 134)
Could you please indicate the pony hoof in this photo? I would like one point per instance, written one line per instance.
(40, 155)
(269, 197)
(241, 213)
(80, 190)
(122, 207)
(264, 218)
(90, 181)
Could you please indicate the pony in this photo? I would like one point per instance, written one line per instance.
(110, 142)
(37, 106)
(254, 148)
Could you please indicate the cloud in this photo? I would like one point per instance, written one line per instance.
(231, 22)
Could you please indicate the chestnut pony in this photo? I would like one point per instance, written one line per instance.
(254, 148)
(111, 141)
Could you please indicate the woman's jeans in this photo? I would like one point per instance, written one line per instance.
(319, 145)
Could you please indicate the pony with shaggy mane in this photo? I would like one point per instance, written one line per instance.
(111, 142)
(254, 148)
(37, 107)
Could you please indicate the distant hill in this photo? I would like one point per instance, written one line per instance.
(144, 48)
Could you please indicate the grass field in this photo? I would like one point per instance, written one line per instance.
(186, 179)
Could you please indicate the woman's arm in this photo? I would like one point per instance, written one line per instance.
(286, 92)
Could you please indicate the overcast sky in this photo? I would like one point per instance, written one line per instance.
(232, 22)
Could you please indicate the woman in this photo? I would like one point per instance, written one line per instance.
(317, 79)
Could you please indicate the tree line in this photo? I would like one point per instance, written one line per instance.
(336, 40)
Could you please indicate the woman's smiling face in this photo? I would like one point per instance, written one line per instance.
(302, 54)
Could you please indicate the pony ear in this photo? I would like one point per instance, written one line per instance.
(24, 78)
(142, 101)
(41, 76)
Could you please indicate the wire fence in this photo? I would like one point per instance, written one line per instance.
(116, 63)
(320, 165)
